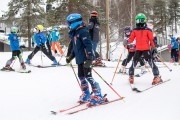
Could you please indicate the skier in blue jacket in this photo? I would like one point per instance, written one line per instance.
(15, 48)
(83, 52)
(40, 45)
(174, 50)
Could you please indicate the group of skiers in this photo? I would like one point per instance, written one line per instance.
(82, 47)
(175, 49)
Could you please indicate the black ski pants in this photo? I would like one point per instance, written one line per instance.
(43, 49)
(148, 57)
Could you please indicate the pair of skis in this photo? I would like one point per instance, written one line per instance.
(82, 109)
(134, 88)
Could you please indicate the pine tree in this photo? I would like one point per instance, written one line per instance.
(25, 14)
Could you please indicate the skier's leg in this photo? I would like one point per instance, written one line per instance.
(97, 98)
(137, 55)
(84, 84)
(59, 48)
(36, 49)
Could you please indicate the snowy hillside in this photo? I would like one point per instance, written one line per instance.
(32, 96)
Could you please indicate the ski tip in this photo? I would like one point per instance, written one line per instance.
(53, 112)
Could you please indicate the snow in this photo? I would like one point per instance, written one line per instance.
(32, 96)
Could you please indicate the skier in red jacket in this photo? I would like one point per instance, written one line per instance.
(144, 39)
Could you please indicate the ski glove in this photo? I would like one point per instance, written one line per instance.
(129, 46)
(88, 62)
(68, 59)
(155, 50)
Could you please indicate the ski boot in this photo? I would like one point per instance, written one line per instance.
(95, 100)
(28, 61)
(23, 66)
(98, 62)
(143, 69)
(7, 68)
(85, 97)
(156, 80)
(122, 70)
(55, 62)
(131, 79)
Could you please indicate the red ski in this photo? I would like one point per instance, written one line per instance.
(64, 110)
(82, 109)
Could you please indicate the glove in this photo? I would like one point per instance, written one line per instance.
(129, 46)
(155, 50)
(88, 62)
(68, 59)
(42, 45)
(32, 44)
(22, 46)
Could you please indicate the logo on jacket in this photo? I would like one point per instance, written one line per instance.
(14, 37)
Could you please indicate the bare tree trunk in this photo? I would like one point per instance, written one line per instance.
(29, 25)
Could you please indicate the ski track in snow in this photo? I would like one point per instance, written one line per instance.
(32, 96)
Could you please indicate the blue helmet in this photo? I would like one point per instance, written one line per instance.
(74, 21)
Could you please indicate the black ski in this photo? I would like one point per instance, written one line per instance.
(19, 71)
(163, 81)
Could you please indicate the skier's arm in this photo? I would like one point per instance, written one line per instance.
(132, 37)
(90, 25)
(87, 43)
(151, 38)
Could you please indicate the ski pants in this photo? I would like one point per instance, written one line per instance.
(15, 53)
(174, 53)
(49, 48)
(58, 47)
(148, 57)
(85, 74)
(129, 57)
(43, 49)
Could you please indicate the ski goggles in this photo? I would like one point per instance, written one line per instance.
(77, 20)
(140, 21)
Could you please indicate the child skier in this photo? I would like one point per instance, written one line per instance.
(15, 48)
(82, 51)
(40, 45)
(131, 51)
(55, 40)
(49, 41)
(144, 38)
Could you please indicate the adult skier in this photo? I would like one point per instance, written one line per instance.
(15, 48)
(144, 39)
(82, 51)
(94, 27)
(40, 45)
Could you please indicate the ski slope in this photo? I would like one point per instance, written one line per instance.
(32, 96)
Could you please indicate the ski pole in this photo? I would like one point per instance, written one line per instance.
(41, 56)
(108, 84)
(161, 59)
(75, 75)
(62, 55)
(116, 68)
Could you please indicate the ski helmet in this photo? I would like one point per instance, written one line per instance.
(141, 18)
(74, 21)
(56, 27)
(94, 14)
(14, 30)
(40, 28)
(127, 30)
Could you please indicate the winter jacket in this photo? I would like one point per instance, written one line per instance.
(49, 38)
(55, 36)
(126, 45)
(82, 46)
(40, 39)
(14, 41)
(94, 31)
(144, 38)
(174, 43)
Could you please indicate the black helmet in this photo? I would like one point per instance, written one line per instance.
(127, 30)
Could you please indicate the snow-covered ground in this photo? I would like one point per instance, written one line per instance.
(32, 96)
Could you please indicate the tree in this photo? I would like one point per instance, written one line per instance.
(25, 14)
